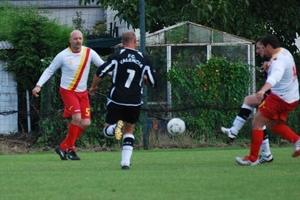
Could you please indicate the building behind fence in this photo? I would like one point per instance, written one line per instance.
(8, 97)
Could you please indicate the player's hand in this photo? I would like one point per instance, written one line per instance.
(260, 95)
(264, 67)
(92, 90)
(145, 80)
(36, 90)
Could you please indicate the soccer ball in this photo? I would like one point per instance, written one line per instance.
(176, 126)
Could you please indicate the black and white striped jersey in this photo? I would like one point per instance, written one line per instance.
(128, 66)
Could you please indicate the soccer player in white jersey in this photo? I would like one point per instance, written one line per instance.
(74, 62)
(131, 68)
(284, 96)
(246, 109)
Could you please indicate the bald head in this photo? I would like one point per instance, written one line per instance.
(76, 40)
(75, 33)
(129, 39)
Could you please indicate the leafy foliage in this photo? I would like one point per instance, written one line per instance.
(98, 30)
(244, 18)
(216, 87)
(155, 16)
(34, 37)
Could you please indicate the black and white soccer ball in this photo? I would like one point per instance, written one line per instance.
(176, 126)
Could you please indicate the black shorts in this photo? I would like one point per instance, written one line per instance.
(266, 94)
(115, 112)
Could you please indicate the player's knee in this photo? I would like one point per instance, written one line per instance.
(251, 100)
(76, 119)
(85, 123)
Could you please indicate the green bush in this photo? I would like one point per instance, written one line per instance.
(213, 91)
(34, 37)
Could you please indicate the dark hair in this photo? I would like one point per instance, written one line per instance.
(271, 40)
(259, 39)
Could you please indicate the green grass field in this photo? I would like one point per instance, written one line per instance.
(203, 173)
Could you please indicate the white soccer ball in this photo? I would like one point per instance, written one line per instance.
(176, 126)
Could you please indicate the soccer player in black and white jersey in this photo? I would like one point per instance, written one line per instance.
(130, 70)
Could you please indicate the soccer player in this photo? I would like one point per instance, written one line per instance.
(246, 109)
(74, 62)
(131, 69)
(284, 96)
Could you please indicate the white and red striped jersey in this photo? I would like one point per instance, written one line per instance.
(282, 75)
(75, 68)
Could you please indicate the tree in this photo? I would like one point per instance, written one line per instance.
(156, 17)
(34, 37)
(244, 18)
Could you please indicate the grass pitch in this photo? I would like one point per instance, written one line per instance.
(187, 174)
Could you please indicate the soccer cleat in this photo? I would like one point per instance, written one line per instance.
(296, 152)
(62, 154)
(227, 131)
(118, 130)
(244, 161)
(72, 155)
(125, 167)
(263, 160)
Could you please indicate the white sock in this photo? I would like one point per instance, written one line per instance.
(264, 128)
(239, 122)
(265, 148)
(127, 149)
(109, 131)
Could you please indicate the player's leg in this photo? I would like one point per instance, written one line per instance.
(277, 110)
(266, 155)
(282, 129)
(85, 109)
(265, 147)
(244, 113)
(71, 109)
(80, 109)
(256, 140)
(109, 130)
(113, 130)
(128, 143)
(73, 132)
(84, 119)
(113, 121)
(131, 116)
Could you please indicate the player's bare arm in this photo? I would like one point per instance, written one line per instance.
(96, 81)
(145, 80)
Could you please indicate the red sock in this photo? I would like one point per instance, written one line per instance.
(80, 131)
(71, 137)
(285, 132)
(64, 144)
(256, 141)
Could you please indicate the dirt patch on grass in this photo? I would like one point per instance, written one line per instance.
(16, 143)
(21, 143)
